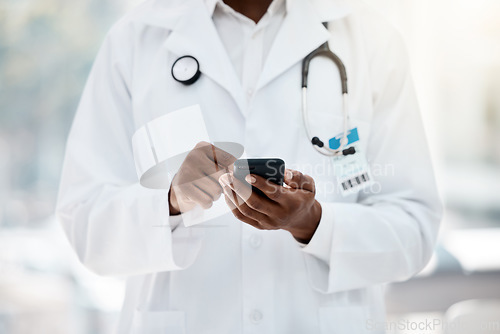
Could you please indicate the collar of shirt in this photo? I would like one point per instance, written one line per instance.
(275, 7)
(160, 13)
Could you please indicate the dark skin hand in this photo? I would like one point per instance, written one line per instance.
(292, 207)
(253, 9)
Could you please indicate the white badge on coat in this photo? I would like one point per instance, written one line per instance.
(352, 171)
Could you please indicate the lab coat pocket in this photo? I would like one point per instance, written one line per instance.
(153, 322)
(342, 320)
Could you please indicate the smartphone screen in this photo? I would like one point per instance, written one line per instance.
(273, 169)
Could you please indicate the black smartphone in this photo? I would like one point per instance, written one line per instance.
(273, 169)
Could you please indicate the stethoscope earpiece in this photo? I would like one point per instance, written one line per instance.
(186, 70)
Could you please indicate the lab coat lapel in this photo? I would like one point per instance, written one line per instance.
(195, 35)
(302, 31)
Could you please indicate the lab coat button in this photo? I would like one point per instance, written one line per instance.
(255, 241)
(256, 316)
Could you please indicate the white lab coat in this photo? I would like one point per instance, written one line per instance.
(224, 276)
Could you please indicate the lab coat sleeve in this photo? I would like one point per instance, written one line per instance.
(116, 226)
(389, 233)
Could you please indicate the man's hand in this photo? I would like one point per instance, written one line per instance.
(292, 208)
(196, 182)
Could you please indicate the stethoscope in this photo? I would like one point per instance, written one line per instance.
(186, 70)
(324, 50)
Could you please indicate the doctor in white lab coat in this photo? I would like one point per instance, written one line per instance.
(225, 275)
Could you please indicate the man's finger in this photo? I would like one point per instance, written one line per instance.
(215, 177)
(220, 157)
(244, 191)
(245, 194)
(270, 189)
(209, 186)
(190, 193)
(229, 193)
(243, 207)
(297, 180)
(257, 219)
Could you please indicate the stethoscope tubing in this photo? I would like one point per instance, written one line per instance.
(345, 129)
(321, 147)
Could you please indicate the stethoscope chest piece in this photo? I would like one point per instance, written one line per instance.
(186, 70)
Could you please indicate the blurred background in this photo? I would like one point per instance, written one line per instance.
(46, 51)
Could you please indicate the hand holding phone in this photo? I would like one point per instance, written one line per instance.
(270, 205)
(272, 169)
